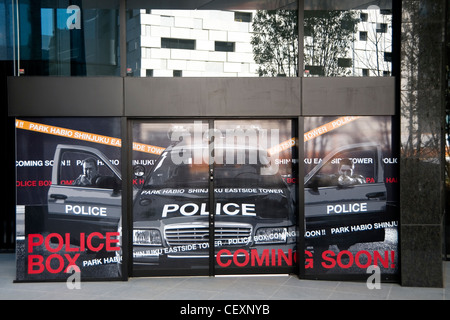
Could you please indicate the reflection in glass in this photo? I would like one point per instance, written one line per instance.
(64, 39)
(212, 43)
(275, 42)
(355, 42)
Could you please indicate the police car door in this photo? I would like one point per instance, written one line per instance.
(82, 207)
(329, 193)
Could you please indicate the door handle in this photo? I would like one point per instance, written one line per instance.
(58, 196)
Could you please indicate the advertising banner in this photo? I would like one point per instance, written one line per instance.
(69, 198)
(351, 199)
(216, 194)
(233, 181)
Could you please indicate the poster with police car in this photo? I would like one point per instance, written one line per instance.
(351, 204)
(234, 181)
(69, 198)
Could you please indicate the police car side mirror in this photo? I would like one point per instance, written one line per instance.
(109, 183)
(313, 183)
(117, 188)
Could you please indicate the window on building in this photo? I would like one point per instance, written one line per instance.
(177, 73)
(364, 17)
(59, 39)
(365, 72)
(208, 39)
(243, 16)
(315, 70)
(381, 27)
(388, 56)
(224, 46)
(363, 35)
(149, 72)
(171, 43)
(344, 62)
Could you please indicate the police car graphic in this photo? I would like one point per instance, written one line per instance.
(346, 199)
(253, 209)
(85, 196)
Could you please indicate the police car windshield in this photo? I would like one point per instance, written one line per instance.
(245, 175)
(170, 174)
(170, 171)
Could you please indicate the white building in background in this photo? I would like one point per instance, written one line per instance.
(372, 52)
(195, 43)
(203, 43)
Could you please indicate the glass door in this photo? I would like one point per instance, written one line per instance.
(214, 197)
(171, 194)
(255, 196)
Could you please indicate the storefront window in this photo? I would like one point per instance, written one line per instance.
(345, 40)
(214, 198)
(224, 39)
(256, 197)
(218, 42)
(68, 198)
(68, 38)
(351, 203)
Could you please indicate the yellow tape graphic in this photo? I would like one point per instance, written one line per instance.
(68, 133)
(339, 122)
(116, 142)
(313, 133)
(283, 146)
(85, 136)
(147, 148)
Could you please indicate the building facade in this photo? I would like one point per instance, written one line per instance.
(222, 89)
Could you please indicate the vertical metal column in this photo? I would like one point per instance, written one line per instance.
(300, 147)
(212, 212)
(123, 37)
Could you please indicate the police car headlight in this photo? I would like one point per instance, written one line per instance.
(147, 237)
(271, 235)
